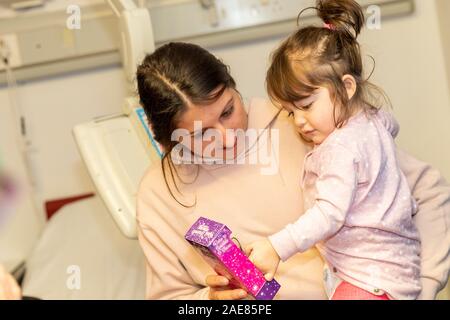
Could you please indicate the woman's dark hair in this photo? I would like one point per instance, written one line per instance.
(316, 57)
(170, 79)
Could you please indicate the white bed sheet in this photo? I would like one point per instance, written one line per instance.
(84, 234)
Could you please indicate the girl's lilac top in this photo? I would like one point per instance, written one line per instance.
(361, 210)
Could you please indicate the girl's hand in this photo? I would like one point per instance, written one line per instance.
(264, 257)
(9, 289)
(219, 289)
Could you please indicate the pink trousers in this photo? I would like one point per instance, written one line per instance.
(347, 291)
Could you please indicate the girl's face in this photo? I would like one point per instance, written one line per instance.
(223, 118)
(314, 116)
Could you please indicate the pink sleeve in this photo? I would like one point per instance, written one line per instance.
(336, 187)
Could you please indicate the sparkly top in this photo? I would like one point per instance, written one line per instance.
(360, 209)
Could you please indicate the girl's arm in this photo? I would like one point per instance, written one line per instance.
(335, 185)
(432, 194)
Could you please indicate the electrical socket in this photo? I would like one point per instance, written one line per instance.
(10, 45)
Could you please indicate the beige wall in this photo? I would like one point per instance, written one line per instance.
(443, 9)
(411, 67)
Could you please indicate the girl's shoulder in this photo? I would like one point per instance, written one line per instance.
(366, 125)
(388, 121)
(353, 138)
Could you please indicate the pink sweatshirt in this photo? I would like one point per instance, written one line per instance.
(360, 210)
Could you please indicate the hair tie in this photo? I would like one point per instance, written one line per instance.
(329, 26)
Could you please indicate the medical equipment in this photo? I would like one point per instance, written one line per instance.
(116, 160)
(118, 149)
(72, 35)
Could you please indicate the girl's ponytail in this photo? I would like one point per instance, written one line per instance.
(342, 15)
(319, 56)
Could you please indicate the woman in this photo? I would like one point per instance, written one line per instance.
(185, 89)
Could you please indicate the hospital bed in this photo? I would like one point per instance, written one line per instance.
(118, 149)
(84, 237)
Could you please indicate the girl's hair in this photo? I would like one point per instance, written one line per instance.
(171, 78)
(316, 57)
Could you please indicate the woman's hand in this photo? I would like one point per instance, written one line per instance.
(220, 289)
(9, 289)
(264, 257)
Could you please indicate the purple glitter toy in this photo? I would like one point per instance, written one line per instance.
(213, 240)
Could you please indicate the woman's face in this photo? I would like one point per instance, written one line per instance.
(215, 126)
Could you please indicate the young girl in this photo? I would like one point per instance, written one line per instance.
(359, 205)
